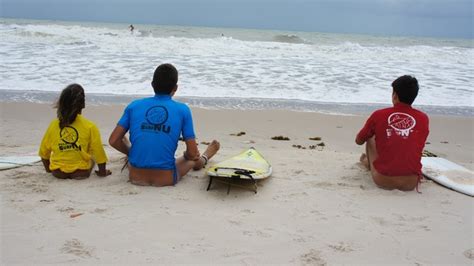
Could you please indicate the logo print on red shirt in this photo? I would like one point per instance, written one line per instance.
(402, 124)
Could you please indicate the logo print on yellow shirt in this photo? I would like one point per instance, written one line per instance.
(70, 136)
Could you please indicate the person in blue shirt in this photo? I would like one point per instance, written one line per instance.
(156, 125)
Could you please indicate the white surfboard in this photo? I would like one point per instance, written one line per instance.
(449, 174)
(9, 162)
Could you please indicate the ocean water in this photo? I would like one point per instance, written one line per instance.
(238, 66)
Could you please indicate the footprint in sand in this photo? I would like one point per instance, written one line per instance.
(342, 247)
(19, 174)
(33, 185)
(469, 254)
(290, 197)
(235, 222)
(235, 254)
(99, 210)
(75, 247)
(302, 237)
(129, 191)
(351, 178)
(247, 211)
(313, 257)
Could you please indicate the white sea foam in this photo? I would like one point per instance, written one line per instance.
(109, 59)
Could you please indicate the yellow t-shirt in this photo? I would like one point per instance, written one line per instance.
(72, 147)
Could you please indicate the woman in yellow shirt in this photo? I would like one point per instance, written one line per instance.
(72, 143)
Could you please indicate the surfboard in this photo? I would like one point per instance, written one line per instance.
(248, 165)
(449, 174)
(9, 162)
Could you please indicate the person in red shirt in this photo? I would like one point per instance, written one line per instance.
(395, 138)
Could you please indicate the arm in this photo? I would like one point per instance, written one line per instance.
(46, 165)
(118, 141)
(366, 132)
(45, 149)
(103, 171)
(359, 141)
(98, 152)
(192, 152)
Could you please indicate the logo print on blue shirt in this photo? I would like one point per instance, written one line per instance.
(156, 116)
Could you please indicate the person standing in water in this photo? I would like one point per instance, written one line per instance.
(131, 28)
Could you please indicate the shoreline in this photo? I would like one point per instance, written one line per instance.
(238, 104)
(450, 137)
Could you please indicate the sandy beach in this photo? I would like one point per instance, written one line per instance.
(319, 206)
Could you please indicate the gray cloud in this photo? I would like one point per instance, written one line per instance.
(448, 18)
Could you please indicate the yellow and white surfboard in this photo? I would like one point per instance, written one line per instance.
(250, 162)
(248, 165)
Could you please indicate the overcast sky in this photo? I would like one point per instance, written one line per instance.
(433, 18)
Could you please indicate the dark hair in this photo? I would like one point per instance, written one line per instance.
(70, 104)
(164, 79)
(406, 88)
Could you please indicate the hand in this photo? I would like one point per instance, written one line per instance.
(188, 158)
(102, 173)
(198, 156)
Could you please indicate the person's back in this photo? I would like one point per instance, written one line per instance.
(156, 122)
(155, 126)
(395, 139)
(400, 134)
(71, 141)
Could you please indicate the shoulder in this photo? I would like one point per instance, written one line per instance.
(381, 112)
(53, 124)
(385, 110)
(139, 102)
(86, 122)
(420, 114)
(181, 106)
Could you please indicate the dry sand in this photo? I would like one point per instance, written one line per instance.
(319, 206)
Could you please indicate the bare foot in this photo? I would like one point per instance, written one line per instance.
(211, 150)
(364, 160)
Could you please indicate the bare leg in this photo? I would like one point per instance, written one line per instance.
(371, 154)
(208, 153)
(59, 174)
(83, 174)
(159, 178)
(183, 166)
(78, 174)
(364, 161)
